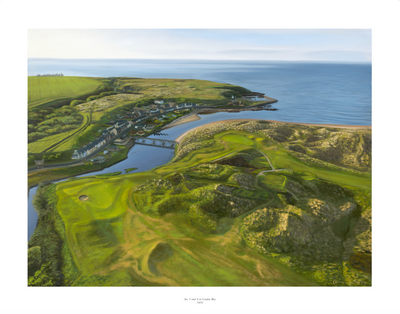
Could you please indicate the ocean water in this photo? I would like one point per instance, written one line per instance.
(335, 93)
(306, 92)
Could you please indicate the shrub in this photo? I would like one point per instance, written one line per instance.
(31, 160)
(34, 136)
(76, 102)
(34, 260)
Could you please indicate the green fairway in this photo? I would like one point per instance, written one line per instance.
(95, 227)
(233, 141)
(281, 159)
(196, 223)
(237, 139)
(107, 232)
(44, 89)
(275, 181)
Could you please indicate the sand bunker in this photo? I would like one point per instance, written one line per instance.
(83, 198)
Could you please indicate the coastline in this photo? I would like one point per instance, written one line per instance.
(184, 119)
(339, 126)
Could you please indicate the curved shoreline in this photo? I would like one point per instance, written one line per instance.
(341, 126)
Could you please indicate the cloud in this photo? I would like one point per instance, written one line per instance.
(350, 56)
(253, 44)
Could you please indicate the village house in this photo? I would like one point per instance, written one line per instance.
(159, 101)
(148, 127)
(98, 159)
(142, 110)
(237, 103)
(39, 163)
(122, 141)
(113, 148)
(102, 140)
(188, 105)
(165, 108)
(135, 114)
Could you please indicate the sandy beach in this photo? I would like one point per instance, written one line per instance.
(185, 119)
(341, 126)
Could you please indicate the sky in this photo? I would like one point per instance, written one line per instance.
(344, 45)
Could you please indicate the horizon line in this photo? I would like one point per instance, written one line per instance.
(172, 59)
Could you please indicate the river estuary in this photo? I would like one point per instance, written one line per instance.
(328, 93)
(148, 157)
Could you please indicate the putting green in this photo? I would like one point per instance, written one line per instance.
(240, 139)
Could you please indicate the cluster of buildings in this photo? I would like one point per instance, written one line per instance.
(104, 139)
(135, 116)
(140, 114)
(57, 74)
(158, 107)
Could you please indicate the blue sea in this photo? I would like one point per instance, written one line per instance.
(334, 93)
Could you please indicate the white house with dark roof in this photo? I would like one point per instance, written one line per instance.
(102, 140)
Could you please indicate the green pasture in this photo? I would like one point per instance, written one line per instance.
(171, 88)
(44, 89)
(40, 145)
(66, 140)
(70, 141)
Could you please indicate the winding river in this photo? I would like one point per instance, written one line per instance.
(328, 93)
(148, 157)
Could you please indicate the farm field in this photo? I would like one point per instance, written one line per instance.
(44, 89)
(207, 219)
(59, 142)
(144, 91)
(170, 88)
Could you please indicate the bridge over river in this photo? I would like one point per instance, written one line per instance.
(154, 142)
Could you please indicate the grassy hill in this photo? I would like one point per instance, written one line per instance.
(212, 217)
(184, 89)
(45, 89)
